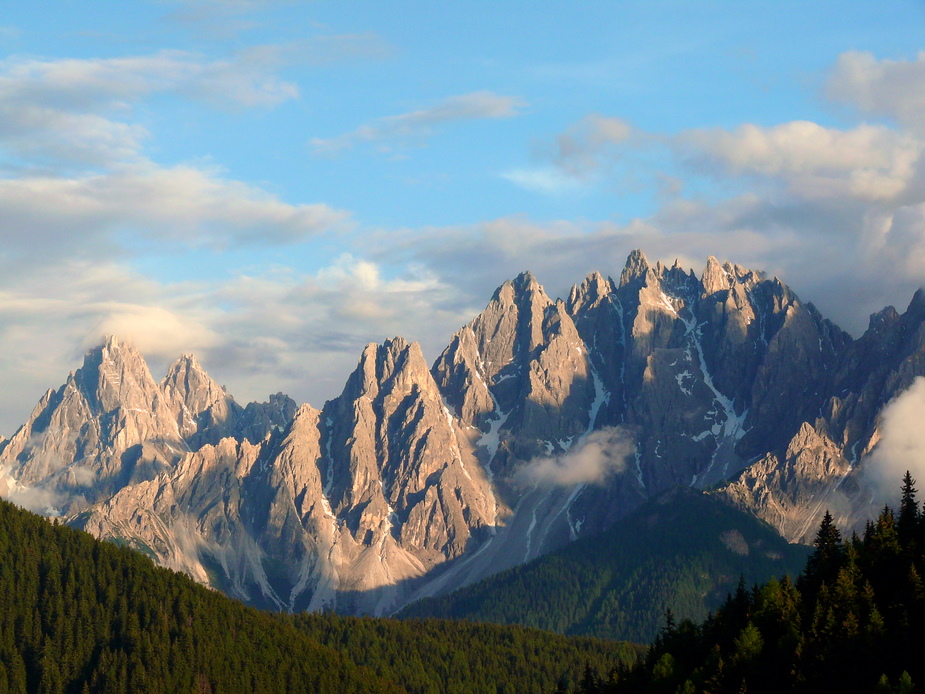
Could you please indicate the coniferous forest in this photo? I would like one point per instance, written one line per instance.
(79, 615)
(854, 621)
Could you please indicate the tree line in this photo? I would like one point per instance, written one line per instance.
(854, 621)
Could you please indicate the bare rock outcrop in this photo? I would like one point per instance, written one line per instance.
(543, 420)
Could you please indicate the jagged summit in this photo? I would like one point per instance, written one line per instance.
(916, 307)
(885, 316)
(417, 480)
(525, 280)
(637, 268)
(112, 424)
(715, 277)
(394, 358)
(594, 289)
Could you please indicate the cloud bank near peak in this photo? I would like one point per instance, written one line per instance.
(590, 461)
(901, 446)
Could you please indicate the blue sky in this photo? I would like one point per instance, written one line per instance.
(272, 185)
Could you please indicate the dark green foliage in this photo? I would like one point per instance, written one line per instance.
(907, 525)
(78, 615)
(855, 622)
(684, 552)
(431, 656)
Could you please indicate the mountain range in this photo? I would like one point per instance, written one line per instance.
(543, 421)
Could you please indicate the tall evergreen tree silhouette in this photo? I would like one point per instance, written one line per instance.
(908, 510)
(824, 563)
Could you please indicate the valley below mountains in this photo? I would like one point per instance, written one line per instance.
(542, 422)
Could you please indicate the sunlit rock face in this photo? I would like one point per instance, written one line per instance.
(543, 420)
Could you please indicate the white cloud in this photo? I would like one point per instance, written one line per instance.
(181, 205)
(419, 125)
(894, 88)
(50, 314)
(901, 446)
(36, 499)
(117, 82)
(303, 334)
(871, 163)
(76, 110)
(154, 330)
(590, 461)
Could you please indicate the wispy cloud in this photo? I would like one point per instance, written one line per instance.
(79, 174)
(183, 206)
(893, 88)
(601, 454)
(417, 126)
(90, 84)
(580, 150)
(577, 156)
(78, 111)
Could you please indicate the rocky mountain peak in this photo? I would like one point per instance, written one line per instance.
(883, 317)
(718, 277)
(97, 431)
(115, 374)
(524, 295)
(352, 506)
(204, 412)
(590, 293)
(510, 325)
(379, 364)
(636, 270)
(185, 375)
(916, 307)
(260, 418)
(526, 281)
(715, 277)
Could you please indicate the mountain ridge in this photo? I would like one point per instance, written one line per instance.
(420, 479)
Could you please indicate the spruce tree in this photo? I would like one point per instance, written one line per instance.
(824, 563)
(908, 511)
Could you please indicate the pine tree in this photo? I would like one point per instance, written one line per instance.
(908, 511)
(824, 563)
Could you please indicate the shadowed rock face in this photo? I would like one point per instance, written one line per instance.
(823, 464)
(543, 420)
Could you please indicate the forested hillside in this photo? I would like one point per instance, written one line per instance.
(436, 655)
(853, 622)
(683, 551)
(79, 615)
